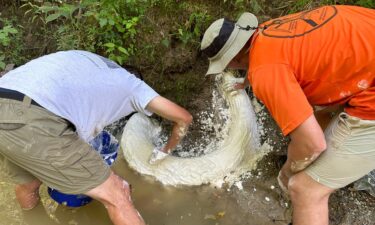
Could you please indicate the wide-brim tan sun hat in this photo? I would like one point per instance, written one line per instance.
(223, 40)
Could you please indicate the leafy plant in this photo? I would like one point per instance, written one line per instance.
(363, 3)
(49, 12)
(5, 35)
(366, 3)
(106, 26)
(300, 5)
(9, 38)
(193, 28)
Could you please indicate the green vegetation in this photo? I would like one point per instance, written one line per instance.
(160, 38)
(99, 26)
(5, 38)
(112, 27)
(303, 4)
(10, 43)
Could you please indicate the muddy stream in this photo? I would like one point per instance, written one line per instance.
(159, 205)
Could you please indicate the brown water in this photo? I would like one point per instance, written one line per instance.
(256, 204)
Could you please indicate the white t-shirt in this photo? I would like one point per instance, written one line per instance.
(88, 90)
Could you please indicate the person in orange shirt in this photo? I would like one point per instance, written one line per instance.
(317, 59)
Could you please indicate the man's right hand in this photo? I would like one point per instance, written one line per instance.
(157, 155)
(232, 86)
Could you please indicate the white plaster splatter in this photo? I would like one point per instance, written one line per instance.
(363, 84)
(345, 94)
(238, 184)
(225, 158)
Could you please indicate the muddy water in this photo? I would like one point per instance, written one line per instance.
(257, 204)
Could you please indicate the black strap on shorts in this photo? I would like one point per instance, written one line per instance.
(15, 95)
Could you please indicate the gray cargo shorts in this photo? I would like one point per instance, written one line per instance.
(350, 152)
(37, 144)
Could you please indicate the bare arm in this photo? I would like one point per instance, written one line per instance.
(173, 112)
(307, 143)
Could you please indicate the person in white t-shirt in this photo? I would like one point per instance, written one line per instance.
(51, 107)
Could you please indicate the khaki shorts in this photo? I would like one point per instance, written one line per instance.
(36, 144)
(350, 152)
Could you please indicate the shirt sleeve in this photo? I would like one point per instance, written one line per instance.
(277, 87)
(142, 96)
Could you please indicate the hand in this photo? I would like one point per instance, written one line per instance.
(157, 155)
(232, 86)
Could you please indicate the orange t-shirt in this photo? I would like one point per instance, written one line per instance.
(320, 57)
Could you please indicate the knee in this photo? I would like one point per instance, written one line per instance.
(303, 188)
(115, 191)
(122, 188)
(297, 188)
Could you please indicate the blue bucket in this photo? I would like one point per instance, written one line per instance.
(67, 199)
(107, 146)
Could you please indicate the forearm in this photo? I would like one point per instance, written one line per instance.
(307, 143)
(298, 160)
(178, 132)
(172, 112)
(299, 157)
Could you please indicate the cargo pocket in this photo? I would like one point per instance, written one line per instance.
(11, 126)
(12, 116)
(340, 132)
(77, 165)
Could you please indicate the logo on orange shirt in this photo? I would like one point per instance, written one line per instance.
(299, 24)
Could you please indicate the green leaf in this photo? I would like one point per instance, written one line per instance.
(28, 11)
(46, 8)
(109, 45)
(102, 22)
(26, 4)
(11, 30)
(111, 22)
(129, 25)
(2, 65)
(123, 50)
(34, 17)
(52, 17)
(135, 20)
(3, 36)
(256, 7)
(120, 59)
(120, 28)
(165, 42)
(90, 13)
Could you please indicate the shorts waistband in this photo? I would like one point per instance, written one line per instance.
(15, 95)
